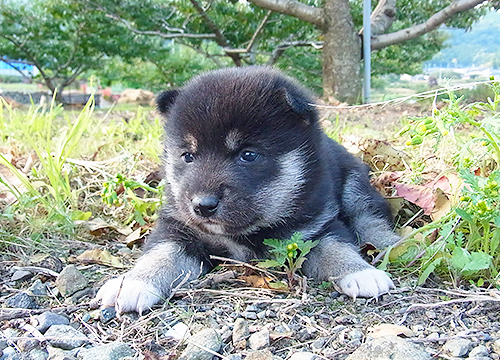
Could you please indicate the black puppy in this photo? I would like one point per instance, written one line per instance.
(246, 160)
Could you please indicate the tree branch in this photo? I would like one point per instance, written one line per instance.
(220, 39)
(33, 59)
(280, 49)
(257, 32)
(381, 41)
(293, 8)
(159, 33)
(382, 17)
(15, 68)
(248, 49)
(202, 52)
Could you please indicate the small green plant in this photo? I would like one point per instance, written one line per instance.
(288, 254)
(121, 191)
(467, 245)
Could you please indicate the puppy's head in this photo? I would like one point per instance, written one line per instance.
(237, 147)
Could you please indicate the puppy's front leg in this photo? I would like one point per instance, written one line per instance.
(151, 280)
(340, 262)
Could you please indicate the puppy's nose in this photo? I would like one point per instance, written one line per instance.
(205, 206)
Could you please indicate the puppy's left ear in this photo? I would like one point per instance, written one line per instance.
(300, 103)
(165, 100)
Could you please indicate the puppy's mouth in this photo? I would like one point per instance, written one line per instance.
(215, 226)
(211, 215)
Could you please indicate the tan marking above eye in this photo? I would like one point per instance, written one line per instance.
(192, 142)
(233, 140)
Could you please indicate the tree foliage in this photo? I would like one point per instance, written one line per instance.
(154, 42)
(61, 38)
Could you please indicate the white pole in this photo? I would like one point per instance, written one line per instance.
(367, 35)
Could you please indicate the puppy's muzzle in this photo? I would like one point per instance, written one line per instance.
(205, 205)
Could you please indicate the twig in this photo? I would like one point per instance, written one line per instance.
(179, 285)
(244, 264)
(216, 278)
(417, 214)
(37, 270)
(218, 292)
(454, 301)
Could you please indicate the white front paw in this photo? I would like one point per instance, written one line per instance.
(366, 283)
(127, 294)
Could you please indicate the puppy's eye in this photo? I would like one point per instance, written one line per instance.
(187, 157)
(248, 156)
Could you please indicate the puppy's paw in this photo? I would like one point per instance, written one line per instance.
(127, 294)
(366, 283)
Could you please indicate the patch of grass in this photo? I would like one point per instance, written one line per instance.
(464, 244)
(64, 182)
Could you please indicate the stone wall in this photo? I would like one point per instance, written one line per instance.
(68, 99)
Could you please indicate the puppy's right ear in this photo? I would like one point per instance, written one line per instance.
(165, 100)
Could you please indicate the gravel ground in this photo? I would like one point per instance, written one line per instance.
(47, 313)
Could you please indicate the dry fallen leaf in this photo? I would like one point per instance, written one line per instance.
(9, 180)
(131, 239)
(442, 205)
(98, 256)
(96, 225)
(419, 195)
(378, 154)
(389, 329)
(263, 282)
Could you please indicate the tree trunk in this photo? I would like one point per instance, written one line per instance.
(341, 53)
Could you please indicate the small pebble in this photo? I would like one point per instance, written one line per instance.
(303, 355)
(21, 301)
(21, 275)
(457, 347)
(261, 314)
(252, 308)
(111, 351)
(240, 330)
(71, 280)
(496, 346)
(207, 338)
(65, 337)
(355, 334)
(318, 345)
(124, 250)
(480, 350)
(8, 351)
(234, 357)
(27, 343)
(249, 315)
(259, 340)
(47, 319)
(107, 314)
(38, 288)
(433, 336)
(178, 332)
(49, 262)
(431, 314)
(259, 355)
(37, 354)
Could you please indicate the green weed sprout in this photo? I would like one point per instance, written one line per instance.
(120, 190)
(288, 254)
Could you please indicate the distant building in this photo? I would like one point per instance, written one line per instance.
(8, 67)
